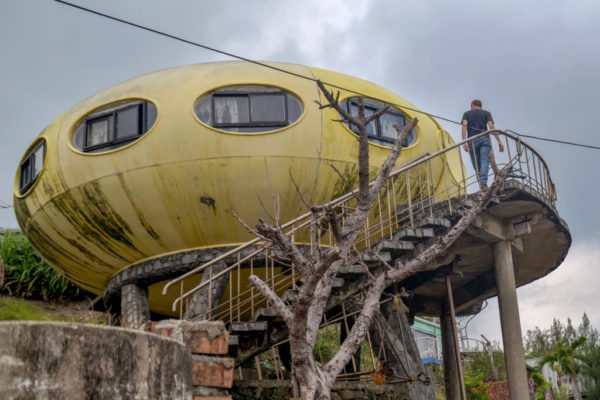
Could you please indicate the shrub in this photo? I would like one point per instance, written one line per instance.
(27, 275)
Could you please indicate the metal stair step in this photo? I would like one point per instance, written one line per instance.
(416, 234)
(338, 283)
(397, 246)
(368, 256)
(250, 326)
(435, 222)
(355, 269)
(265, 314)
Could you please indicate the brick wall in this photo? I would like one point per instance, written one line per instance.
(208, 341)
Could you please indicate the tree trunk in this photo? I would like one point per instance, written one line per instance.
(312, 382)
(575, 388)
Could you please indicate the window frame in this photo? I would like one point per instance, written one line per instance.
(24, 186)
(112, 115)
(250, 124)
(378, 130)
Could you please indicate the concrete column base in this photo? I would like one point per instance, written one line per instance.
(134, 306)
(510, 321)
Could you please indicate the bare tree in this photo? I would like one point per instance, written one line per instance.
(310, 380)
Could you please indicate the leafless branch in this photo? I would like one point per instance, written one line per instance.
(282, 309)
(275, 235)
(302, 199)
(360, 260)
(248, 228)
(347, 186)
(265, 208)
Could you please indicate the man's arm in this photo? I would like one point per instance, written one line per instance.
(464, 135)
(500, 145)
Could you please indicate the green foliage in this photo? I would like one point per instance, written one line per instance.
(564, 357)
(27, 275)
(476, 389)
(539, 343)
(479, 363)
(590, 368)
(540, 383)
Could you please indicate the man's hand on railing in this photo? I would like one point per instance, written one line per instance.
(466, 147)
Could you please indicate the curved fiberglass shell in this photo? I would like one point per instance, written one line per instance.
(93, 214)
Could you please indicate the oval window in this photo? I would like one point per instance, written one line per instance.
(31, 166)
(114, 126)
(248, 108)
(380, 130)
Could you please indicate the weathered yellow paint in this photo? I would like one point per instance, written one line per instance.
(92, 215)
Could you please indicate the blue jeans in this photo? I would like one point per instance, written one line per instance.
(479, 149)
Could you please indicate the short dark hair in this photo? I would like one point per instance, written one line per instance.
(476, 103)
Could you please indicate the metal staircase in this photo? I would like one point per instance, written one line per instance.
(415, 209)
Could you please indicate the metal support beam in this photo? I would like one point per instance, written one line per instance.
(510, 321)
(455, 338)
(451, 376)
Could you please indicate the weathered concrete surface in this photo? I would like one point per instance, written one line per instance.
(45, 360)
(134, 306)
(349, 390)
(510, 322)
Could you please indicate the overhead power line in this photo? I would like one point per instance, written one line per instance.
(272, 67)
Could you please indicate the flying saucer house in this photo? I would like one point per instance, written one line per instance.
(154, 166)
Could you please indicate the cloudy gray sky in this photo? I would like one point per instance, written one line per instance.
(534, 64)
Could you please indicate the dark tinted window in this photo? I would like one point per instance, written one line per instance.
(114, 126)
(31, 167)
(380, 130)
(248, 109)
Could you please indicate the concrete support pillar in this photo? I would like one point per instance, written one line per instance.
(510, 321)
(134, 306)
(451, 378)
(204, 301)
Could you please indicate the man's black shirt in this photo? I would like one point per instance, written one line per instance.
(477, 120)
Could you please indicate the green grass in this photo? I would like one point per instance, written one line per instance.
(12, 309)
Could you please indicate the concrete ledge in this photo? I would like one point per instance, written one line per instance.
(45, 360)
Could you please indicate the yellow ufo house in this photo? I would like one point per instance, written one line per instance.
(151, 168)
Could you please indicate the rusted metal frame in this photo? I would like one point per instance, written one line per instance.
(258, 368)
(422, 158)
(210, 286)
(239, 287)
(347, 331)
(430, 188)
(337, 201)
(403, 341)
(409, 199)
(420, 188)
(220, 274)
(252, 287)
(389, 209)
(455, 338)
(277, 363)
(373, 363)
(272, 272)
(181, 305)
(380, 214)
(394, 202)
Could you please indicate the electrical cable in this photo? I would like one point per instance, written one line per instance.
(265, 65)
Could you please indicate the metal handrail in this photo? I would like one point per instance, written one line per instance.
(543, 182)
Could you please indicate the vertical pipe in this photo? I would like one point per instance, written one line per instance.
(459, 370)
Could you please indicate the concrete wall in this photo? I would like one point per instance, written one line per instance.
(44, 360)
